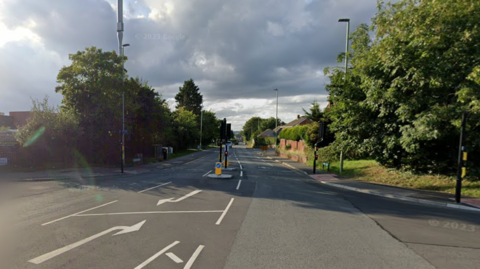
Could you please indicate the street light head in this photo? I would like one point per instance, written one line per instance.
(275, 90)
(125, 45)
(344, 20)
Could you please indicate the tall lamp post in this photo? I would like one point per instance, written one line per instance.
(201, 124)
(276, 120)
(347, 20)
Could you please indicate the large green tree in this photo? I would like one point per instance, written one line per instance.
(189, 97)
(186, 128)
(92, 89)
(406, 92)
(210, 128)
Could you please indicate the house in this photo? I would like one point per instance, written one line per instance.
(267, 133)
(300, 120)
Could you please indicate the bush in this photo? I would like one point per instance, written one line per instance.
(264, 141)
(294, 133)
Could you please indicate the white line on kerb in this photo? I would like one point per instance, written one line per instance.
(149, 260)
(224, 212)
(194, 257)
(207, 173)
(155, 187)
(241, 173)
(239, 182)
(79, 213)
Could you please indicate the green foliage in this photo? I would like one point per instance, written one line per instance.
(402, 102)
(256, 125)
(294, 133)
(4, 128)
(92, 89)
(49, 135)
(211, 127)
(264, 141)
(186, 128)
(315, 113)
(312, 135)
(189, 97)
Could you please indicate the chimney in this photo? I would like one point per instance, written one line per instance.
(298, 116)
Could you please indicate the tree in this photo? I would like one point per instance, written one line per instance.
(402, 102)
(211, 127)
(315, 113)
(92, 90)
(189, 97)
(251, 126)
(269, 124)
(50, 135)
(150, 121)
(186, 128)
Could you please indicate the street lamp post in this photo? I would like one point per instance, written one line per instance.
(201, 125)
(123, 103)
(347, 20)
(120, 51)
(276, 120)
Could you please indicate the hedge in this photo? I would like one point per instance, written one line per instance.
(294, 133)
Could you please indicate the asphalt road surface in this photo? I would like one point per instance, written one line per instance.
(266, 216)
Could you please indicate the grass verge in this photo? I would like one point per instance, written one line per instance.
(371, 171)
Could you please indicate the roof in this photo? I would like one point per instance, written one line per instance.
(297, 122)
(267, 133)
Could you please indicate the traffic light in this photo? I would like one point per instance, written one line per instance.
(229, 130)
(321, 131)
(222, 129)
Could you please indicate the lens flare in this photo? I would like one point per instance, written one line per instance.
(35, 136)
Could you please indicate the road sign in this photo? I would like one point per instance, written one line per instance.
(218, 168)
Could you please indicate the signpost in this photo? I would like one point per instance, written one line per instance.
(218, 168)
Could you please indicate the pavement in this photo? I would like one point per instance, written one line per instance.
(96, 172)
(411, 195)
(267, 215)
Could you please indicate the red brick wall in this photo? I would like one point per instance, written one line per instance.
(297, 147)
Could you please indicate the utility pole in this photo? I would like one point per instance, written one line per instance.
(120, 51)
(462, 159)
(201, 126)
(276, 121)
(347, 20)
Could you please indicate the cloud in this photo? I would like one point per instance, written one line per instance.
(236, 51)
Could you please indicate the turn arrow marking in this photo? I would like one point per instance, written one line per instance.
(124, 230)
(170, 200)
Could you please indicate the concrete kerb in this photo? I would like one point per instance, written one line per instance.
(222, 176)
(403, 198)
(391, 196)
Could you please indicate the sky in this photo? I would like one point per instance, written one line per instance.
(237, 52)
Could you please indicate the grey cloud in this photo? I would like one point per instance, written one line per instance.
(232, 49)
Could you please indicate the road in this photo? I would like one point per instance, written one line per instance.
(266, 216)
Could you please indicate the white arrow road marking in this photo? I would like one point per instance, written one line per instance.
(149, 260)
(124, 229)
(194, 257)
(170, 200)
(224, 212)
(174, 257)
